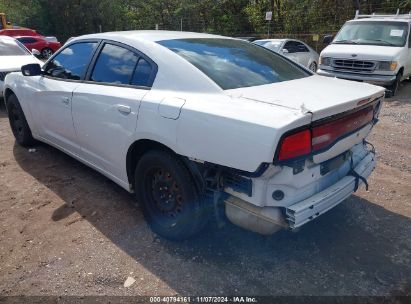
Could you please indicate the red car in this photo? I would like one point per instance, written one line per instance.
(19, 32)
(46, 48)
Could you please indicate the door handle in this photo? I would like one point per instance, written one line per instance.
(65, 100)
(124, 109)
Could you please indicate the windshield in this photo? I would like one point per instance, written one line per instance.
(9, 47)
(373, 33)
(271, 45)
(235, 64)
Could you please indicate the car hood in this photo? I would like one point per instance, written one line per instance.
(14, 63)
(320, 96)
(361, 52)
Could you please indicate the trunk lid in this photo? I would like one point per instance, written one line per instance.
(321, 96)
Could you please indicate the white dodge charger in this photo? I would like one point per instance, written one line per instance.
(200, 125)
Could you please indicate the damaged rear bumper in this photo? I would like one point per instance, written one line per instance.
(307, 210)
(269, 219)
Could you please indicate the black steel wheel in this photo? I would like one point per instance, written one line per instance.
(168, 196)
(18, 122)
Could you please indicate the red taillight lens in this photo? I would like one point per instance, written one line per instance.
(326, 134)
(295, 145)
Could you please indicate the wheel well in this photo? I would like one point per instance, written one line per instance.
(7, 94)
(136, 151)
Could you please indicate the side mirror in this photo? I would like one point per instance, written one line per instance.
(33, 69)
(36, 53)
(285, 51)
(328, 39)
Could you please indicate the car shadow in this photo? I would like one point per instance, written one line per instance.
(356, 248)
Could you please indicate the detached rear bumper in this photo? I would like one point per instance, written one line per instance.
(309, 209)
(383, 80)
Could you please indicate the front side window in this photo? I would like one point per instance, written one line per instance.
(10, 47)
(115, 64)
(233, 63)
(385, 33)
(72, 62)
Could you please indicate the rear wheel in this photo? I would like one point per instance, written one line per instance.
(18, 122)
(313, 67)
(46, 53)
(170, 201)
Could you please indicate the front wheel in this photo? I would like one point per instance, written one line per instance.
(393, 89)
(171, 203)
(18, 122)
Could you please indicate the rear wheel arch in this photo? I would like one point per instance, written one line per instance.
(7, 93)
(142, 146)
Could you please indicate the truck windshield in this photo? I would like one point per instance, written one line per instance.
(233, 64)
(386, 33)
(9, 47)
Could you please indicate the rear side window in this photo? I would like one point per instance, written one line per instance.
(72, 62)
(142, 74)
(115, 64)
(233, 63)
(118, 65)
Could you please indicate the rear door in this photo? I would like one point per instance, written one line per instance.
(302, 53)
(106, 105)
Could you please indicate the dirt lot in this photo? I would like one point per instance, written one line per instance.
(67, 230)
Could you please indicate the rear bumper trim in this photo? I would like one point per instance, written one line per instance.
(310, 208)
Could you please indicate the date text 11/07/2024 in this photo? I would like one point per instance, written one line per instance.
(237, 299)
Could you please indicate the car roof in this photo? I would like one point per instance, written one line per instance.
(273, 40)
(35, 37)
(387, 19)
(153, 36)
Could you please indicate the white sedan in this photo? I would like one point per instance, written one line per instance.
(13, 55)
(197, 124)
(294, 49)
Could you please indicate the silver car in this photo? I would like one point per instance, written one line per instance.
(296, 50)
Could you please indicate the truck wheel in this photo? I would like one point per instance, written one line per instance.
(18, 122)
(170, 201)
(393, 89)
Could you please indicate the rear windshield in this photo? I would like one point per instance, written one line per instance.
(233, 64)
(10, 47)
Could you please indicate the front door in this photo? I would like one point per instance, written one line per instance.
(53, 99)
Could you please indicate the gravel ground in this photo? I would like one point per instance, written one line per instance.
(67, 230)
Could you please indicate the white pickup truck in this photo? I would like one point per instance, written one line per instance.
(196, 124)
(371, 48)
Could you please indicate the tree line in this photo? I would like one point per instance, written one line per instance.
(68, 18)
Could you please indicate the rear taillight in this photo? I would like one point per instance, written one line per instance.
(326, 134)
(295, 145)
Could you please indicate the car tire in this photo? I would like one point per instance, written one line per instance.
(313, 67)
(393, 89)
(46, 53)
(168, 196)
(18, 122)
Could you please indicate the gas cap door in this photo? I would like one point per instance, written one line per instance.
(170, 107)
